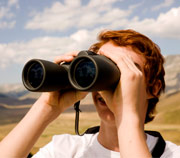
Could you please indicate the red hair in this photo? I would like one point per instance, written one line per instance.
(153, 68)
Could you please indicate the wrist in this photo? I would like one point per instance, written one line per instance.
(129, 120)
(45, 112)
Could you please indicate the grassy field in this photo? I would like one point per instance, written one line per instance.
(167, 122)
(65, 124)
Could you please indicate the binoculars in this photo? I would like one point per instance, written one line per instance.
(88, 71)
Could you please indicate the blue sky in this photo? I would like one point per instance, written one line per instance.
(47, 28)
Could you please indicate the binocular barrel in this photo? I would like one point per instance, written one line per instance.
(87, 72)
(43, 76)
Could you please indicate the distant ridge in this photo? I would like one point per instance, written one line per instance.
(4, 99)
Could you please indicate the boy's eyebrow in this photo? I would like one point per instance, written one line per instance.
(138, 66)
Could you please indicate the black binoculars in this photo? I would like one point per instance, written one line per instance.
(88, 71)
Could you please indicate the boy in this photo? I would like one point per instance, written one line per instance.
(123, 111)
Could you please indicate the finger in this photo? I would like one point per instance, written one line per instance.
(131, 64)
(121, 57)
(63, 58)
(115, 56)
(68, 57)
(117, 59)
(121, 63)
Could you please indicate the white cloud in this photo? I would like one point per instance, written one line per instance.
(6, 24)
(67, 15)
(61, 17)
(166, 25)
(45, 47)
(95, 3)
(3, 12)
(164, 4)
(12, 3)
(6, 15)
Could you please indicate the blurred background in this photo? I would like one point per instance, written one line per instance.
(48, 28)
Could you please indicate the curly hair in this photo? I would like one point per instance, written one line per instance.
(153, 68)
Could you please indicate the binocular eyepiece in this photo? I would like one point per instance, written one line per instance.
(86, 72)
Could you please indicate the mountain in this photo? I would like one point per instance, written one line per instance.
(12, 109)
(13, 90)
(8, 100)
(12, 106)
(172, 77)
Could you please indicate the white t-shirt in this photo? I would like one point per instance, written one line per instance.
(87, 146)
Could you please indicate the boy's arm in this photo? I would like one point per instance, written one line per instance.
(132, 139)
(48, 107)
(129, 104)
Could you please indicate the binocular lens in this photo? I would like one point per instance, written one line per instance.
(85, 72)
(35, 75)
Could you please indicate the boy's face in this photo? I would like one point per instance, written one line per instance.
(102, 109)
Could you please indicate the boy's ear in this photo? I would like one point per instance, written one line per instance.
(156, 89)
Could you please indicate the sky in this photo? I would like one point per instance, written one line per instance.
(48, 28)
